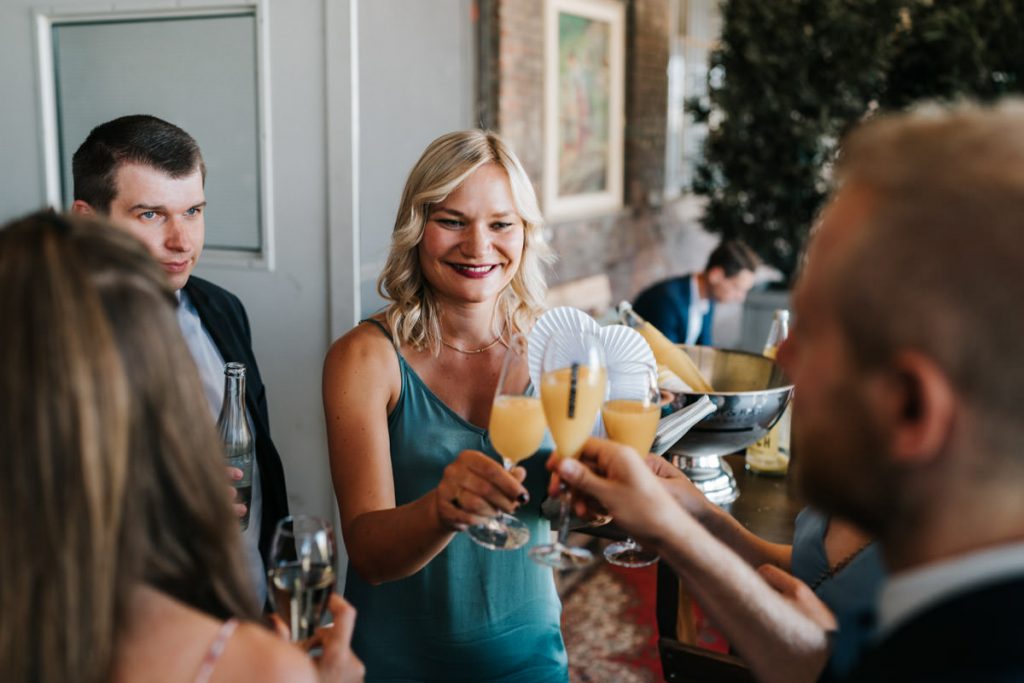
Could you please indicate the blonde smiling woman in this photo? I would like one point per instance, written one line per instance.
(407, 397)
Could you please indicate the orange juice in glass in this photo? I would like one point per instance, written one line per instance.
(516, 430)
(572, 387)
(631, 417)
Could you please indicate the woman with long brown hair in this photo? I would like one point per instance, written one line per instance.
(119, 550)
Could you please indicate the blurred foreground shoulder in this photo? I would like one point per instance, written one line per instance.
(258, 655)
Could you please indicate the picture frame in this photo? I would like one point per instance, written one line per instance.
(584, 100)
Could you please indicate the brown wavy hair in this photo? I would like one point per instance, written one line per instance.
(413, 315)
(110, 470)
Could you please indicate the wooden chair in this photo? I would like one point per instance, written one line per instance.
(682, 660)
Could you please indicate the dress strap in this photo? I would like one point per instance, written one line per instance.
(383, 328)
(216, 650)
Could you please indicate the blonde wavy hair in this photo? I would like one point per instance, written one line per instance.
(414, 315)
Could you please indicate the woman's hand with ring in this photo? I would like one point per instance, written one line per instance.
(475, 488)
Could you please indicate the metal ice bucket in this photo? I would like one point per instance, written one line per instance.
(751, 393)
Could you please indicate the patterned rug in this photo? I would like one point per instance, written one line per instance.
(609, 625)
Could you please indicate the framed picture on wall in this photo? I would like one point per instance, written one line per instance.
(584, 74)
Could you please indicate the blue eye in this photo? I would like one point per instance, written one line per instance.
(449, 222)
(501, 225)
(194, 211)
(147, 215)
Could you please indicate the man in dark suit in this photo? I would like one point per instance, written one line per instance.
(907, 355)
(683, 308)
(147, 176)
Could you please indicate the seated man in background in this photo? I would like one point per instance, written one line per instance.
(907, 352)
(683, 307)
(147, 176)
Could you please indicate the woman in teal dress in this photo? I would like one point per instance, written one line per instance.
(407, 397)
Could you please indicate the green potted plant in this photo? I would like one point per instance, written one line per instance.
(790, 77)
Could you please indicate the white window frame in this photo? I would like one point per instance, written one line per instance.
(45, 20)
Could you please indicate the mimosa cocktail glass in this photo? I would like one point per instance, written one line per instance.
(631, 417)
(572, 388)
(516, 430)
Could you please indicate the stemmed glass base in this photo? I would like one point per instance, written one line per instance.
(503, 532)
(630, 554)
(560, 555)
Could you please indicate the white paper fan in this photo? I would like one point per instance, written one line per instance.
(562, 319)
(623, 349)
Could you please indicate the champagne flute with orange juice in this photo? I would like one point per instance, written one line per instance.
(630, 417)
(516, 430)
(572, 388)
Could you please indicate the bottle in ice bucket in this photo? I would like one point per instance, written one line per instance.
(233, 427)
(665, 352)
(770, 454)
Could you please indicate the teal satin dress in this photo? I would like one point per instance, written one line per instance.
(471, 614)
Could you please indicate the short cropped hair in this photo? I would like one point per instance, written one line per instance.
(733, 257)
(136, 139)
(938, 266)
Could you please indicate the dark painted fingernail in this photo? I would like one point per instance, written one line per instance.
(524, 498)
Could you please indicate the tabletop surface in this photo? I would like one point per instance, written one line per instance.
(767, 505)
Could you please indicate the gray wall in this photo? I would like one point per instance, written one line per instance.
(416, 82)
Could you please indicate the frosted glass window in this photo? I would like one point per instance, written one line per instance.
(697, 28)
(196, 72)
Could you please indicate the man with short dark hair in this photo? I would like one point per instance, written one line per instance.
(683, 307)
(147, 176)
(907, 355)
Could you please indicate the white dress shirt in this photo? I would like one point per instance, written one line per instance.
(698, 309)
(909, 593)
(211, 372)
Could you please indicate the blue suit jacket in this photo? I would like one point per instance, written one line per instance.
(666, 305)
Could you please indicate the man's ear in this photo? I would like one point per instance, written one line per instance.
(922, 408)
(80, 206)
(715, 274)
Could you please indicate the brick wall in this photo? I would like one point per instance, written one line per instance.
(647, 239)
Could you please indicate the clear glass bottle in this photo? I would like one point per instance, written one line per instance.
(233, 428)
(770, 454)
(778, 333)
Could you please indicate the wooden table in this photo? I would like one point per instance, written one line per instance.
(768, 507)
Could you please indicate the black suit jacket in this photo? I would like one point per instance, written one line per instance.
(223, 316)
(974, 636)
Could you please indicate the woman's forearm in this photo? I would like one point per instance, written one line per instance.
(387, 545)
(745, 543)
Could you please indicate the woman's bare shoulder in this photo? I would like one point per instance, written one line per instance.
(256, 654)
(167, 641)
(365, 342)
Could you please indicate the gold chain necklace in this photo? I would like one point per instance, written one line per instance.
(470, 352)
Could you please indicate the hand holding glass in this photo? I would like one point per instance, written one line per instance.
(631, 418)
(572, 388)
(301, 574)
(516, 430)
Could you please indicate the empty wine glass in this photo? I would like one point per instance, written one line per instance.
(301, 575)
(630, 417)
(572, 386)
(516, 430)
